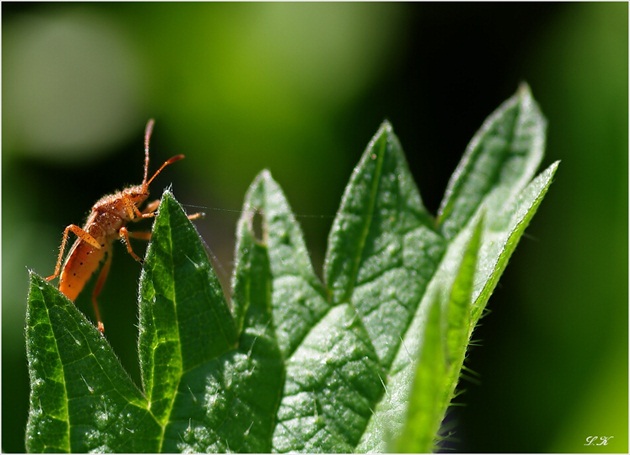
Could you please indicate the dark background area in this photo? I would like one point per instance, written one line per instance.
(300, 89)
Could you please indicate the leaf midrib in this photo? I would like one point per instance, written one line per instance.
(65, 382)
(167, 415)
(356, 263)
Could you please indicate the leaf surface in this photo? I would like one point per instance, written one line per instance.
(367, 360)
(223, 386)
(81, 398)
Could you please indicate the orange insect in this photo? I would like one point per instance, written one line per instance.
(106, 223)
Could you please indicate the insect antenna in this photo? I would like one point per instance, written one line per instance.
(171, 160)
(147, 137)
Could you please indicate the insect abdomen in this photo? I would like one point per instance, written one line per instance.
(83, 260)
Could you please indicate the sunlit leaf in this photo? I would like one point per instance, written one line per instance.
(367, 360)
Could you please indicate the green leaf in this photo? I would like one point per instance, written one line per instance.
(424, 411)
(367, 361)
(298, 295)
(502, 236)
(442, 353)
(81, 398)
(216, 390)
(184, 318)
(383, 247)
(306, 326)
(506, 214)
(499, 161)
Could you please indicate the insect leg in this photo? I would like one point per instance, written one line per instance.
(126, 234)
(102, 277)
(151, 207)
(80, 233)
(123, 233)
(148, 212)
(196, 216)
(140, 235)
(151, 210)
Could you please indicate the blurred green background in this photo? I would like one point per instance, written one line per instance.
(300, 89)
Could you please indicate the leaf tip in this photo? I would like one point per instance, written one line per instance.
(36, 279)
(264, 175)
(384, 135)
(386, 127)
(525, 98)
(167, 196)
(550, 171)
(524, 90)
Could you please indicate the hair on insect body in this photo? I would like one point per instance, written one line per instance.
(107, 222)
